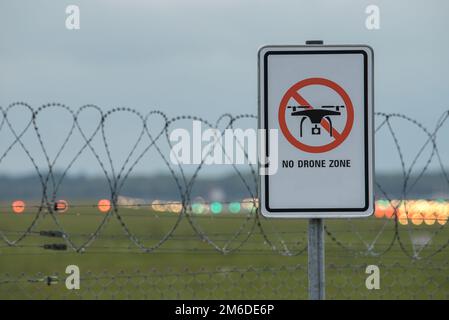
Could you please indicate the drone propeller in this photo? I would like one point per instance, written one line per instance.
(298, 107)
(337, 108)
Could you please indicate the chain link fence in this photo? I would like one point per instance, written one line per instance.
(423, 280)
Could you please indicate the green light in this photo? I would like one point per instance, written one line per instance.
(234, 207)
(197, 208)
(216, 207)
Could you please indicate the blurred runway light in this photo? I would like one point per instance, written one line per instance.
(176, 207)
(61, 206)
(216, 207)
(104, 205)
(429, 212)
(234, 207)
(157, 206)
(18, 206)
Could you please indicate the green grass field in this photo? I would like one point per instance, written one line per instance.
(256, 265)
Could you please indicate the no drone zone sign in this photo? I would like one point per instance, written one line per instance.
(320, 100)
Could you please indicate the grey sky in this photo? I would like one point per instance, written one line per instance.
(199, 57)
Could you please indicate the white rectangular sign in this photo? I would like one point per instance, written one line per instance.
(320, 101)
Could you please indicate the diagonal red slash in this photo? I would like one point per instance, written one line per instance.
(323, 123)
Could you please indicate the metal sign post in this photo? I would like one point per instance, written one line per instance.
(316, 259)
(320, 163)
(316, 264)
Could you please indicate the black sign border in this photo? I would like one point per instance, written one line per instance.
(366, 125)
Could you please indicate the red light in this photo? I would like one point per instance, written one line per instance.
(18, 206)
(104, 205)
(61, 206)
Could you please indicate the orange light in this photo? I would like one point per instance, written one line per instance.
(442, 218)
(408, 208)
(429, 218)
(442, 213)
(383, 209)
(402, 214)
(61, 206)
(18, 206)
(379, 211)
(104, 205)
(403, 220)
(416, 218)
(422, 206)
(389, 209)
(400, 209)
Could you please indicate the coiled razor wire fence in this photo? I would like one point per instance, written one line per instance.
(186, 231)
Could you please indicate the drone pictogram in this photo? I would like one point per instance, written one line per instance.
(315, 116)
(321, 117)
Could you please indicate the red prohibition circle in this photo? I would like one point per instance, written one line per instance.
(338, 137)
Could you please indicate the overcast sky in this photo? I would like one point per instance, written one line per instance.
(199, 57)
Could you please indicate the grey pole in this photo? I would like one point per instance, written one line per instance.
(316, 259)
(316, 246)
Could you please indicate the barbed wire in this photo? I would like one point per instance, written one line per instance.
(252, 223)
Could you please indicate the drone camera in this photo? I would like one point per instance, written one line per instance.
(316, 130)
